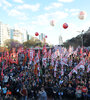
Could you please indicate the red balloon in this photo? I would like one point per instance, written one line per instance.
(46, 36)
(36, 34)
(65, 25)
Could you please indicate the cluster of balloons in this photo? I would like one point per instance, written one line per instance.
(52, 23)
(81, 16)
(36, 34)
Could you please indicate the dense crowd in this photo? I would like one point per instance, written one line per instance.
(30, 82)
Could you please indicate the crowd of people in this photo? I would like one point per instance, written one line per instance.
(35, 81)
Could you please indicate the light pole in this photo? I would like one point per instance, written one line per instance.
(81, 37)
(82, 42)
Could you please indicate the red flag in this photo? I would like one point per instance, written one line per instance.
(14, 58)
(2, 55)
(45, 60)
(0, 59)
(88, 68)
(80, 65)
(21, 49)
(49, 53)
(35, 70)
(11, 70)
(13, 50)
(81, 51)
(2, 71)
(31, 54)
(44, 49)
(89, 55)
(25, 58)
(6, 66)
(36, 60)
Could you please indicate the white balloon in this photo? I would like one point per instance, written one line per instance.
(82, 15)
(52, 23)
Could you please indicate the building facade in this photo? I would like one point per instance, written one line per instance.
(28, 37)
(60, 40)
(42, 37)
(4, 33)
(16, 35)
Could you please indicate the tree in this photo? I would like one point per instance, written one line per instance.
(77, 41)
(33, 42)
(10, 43)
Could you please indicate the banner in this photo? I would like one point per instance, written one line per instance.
(31, 54)
(88, 68)
(80, 65)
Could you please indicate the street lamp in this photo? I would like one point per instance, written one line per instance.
(81, 37)
(82, 40)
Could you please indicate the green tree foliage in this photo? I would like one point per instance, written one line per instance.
(10, 43)
(33, 42)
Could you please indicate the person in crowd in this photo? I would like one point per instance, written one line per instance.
(84, 91)
(70, 91)
(6, 78)
(42, 94)
(78, 92)
(21, 81)
(24, 93)
(4, 91)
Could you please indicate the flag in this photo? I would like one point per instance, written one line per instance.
(89, 55)
(36, 60)
(44, 60)
(52, 59)
(44, 50)
(6, 66)
(70, 50)
(81, 51)
(55, 68)
(70, 62)
(13, 50)
(13, 58)
(88, 68)
(25, 58)
(64, 61)
(2, 71)
(35, 70)
(2, 56)
(49, 53)
(62, 72)
(75, 52)
(31, 54)
(80, 65)
(0, 59)
(39, 53)
(57, 53)
(21, 49)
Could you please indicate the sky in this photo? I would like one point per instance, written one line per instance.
(36, 15)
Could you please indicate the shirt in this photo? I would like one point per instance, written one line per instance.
(84, 89)
(4, 90)
(6, 79)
